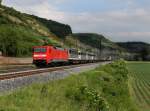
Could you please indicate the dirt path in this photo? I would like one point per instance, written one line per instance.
(13, 60)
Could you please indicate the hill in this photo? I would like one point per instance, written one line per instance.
(139, 50)
(95, 40)
(26, 31)
(98, 43)
(20, 31)
(59, 29)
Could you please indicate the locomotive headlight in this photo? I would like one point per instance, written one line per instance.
(40, 55)
(43, 55)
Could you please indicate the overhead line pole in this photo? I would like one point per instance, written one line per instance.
(100, 52)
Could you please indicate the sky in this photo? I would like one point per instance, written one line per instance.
(118, 20)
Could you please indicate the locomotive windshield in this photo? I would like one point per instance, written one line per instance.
(39, 49)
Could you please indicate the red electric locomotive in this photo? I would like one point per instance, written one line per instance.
(44, 55)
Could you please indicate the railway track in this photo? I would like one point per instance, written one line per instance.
(12, 75)
(16, 68)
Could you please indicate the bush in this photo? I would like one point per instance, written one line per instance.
(17, 41)
(89, 98)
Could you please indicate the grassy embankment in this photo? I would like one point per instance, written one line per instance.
(19, 32)
(140, 84)
(102, 89)
(19, 40)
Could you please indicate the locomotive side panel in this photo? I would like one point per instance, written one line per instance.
(44, 55)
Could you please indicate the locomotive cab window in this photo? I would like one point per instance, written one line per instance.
(39, 49)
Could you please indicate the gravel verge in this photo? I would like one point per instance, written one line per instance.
(12, 84)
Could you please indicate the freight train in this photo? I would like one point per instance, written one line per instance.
(50, 55)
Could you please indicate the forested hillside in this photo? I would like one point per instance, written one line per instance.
(95, 40)
(138, 50)
(59, 29)
(19, 32)
(106, 47)
(26, 31)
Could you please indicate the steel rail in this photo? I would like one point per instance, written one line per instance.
(12, 75)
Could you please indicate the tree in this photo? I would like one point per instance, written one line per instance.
(0, 2)
(144, 53)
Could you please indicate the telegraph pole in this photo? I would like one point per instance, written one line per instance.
(100, 48)
(76, 43)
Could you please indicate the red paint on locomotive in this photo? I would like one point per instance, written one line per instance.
(49, 54)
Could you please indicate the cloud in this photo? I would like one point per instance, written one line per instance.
(125, 24)
(41, 8)
(60, 1)
(47, 11)
(119, 25)
(133, 36)
(23, 3)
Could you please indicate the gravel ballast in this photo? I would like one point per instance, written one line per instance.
(12, 84)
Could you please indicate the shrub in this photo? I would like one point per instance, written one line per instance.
(89, 98)
(17, 41)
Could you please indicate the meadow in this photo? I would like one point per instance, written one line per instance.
(140, 84)
(102, 89)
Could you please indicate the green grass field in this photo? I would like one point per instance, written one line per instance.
(102, 89)
(140, 84)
